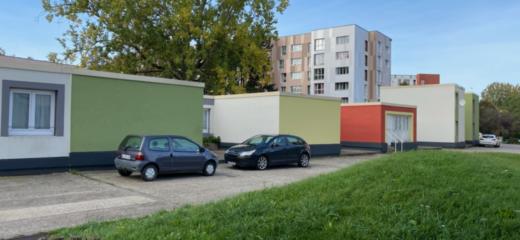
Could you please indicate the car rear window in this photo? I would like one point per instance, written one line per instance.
(131, 143)
(489, 136)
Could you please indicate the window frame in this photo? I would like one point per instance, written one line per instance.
(342, 37)
(298, 74)
(322, 89)
(340, 53)
(206, 120)
(188, 140)
(156, 150)
(338, 86)
(298, 60)
(321, 46)
(296, 47)
(31, 129)
(340, 72)
(322, 59)
(322, 74)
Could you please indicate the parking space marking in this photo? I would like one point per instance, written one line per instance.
(67, 208)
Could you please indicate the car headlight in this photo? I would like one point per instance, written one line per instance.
(247, 154)
(227, 151)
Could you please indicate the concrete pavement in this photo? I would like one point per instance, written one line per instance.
(33, 204)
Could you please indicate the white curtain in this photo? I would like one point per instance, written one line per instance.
(42, 117)
(20, 118)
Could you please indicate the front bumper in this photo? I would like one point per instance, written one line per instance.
(248, 161)
(133, 166)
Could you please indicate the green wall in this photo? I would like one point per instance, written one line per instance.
(314, 119)
(471, 116)
(105, 110)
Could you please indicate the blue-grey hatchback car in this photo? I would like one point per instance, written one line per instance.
(154, 154)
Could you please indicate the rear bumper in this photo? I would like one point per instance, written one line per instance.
(133, 166)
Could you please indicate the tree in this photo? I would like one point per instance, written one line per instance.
(225, 43)
(500, 110)
(2, 52)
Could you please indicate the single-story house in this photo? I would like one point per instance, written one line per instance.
(472, 108)
(235, 118)
(378, 125)
(440, 112)
(62, 116)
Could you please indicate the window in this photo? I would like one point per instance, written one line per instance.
(366, 60)
(319, 88)
(280, 141)
(341, 40)
(319, 59)
(283, 77)
(296, 75)
(184, 145)
(281, 64)
(296, 47)
(341, 85)
(366, 46)
(319, 44)
(344, 100)
(295, 141)
(159, 144)
(296, 89)
(131, 143)
(319, 73)
(308, 90)
(296, 61)
(342, 55)
(366, 75)
(341, 70)
(284, 50)
(31, 112)
(206, 119)
(282, 89)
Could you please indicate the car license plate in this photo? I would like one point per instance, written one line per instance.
(125, 156)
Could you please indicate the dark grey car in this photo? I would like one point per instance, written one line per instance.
(155, 154)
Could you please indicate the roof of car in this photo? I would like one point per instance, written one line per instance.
(159, 135)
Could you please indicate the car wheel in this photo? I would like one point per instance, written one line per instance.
(149, 173)
(304, 160)
(124, 173)
(262, 163)
(209, 169)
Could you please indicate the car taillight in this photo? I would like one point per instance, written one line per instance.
(139, 156)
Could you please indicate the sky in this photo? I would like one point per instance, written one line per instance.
(471, 43)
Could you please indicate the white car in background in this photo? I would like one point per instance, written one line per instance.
(489, 140)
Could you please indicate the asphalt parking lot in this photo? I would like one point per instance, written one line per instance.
(33, 204)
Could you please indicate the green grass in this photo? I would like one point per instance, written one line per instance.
(414, 195)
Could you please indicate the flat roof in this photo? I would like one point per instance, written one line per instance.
(267, 94)
(423, 86)
(44, 66)
(377, 104)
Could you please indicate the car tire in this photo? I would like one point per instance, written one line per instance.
(304, 160)
(149, 173)
(209, 169)
(262, 163)
(124, 173)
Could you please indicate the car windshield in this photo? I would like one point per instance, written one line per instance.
(256, 140)
(489, 136)
(131, 143)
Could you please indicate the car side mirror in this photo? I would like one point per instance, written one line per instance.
(201, 150)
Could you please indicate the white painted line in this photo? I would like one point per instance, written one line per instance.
(66, 208)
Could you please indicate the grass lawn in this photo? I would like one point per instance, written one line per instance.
(414, 195)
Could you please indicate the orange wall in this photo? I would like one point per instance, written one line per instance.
(362, 124)
(366, 123)
(427, 79)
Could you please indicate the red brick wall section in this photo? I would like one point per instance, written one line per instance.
(362, 124)
(428, 79)
(366, 123)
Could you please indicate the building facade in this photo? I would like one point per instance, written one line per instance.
(56, 116)
(440, 112)
(472, 108)
(232, 119)
(346, 62)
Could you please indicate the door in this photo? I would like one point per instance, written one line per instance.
(398, 128)
(278, 153)
(294, 148)
(159, 149)
(186, 155)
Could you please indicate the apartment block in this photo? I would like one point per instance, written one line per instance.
(346, 62)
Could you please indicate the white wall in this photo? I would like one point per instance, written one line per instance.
(13, 147)
(436, 110)
(236, 118)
